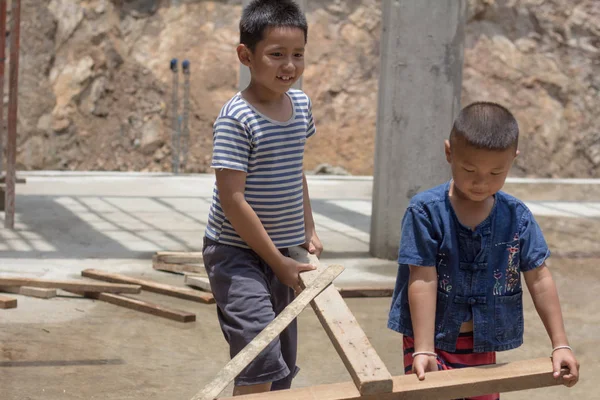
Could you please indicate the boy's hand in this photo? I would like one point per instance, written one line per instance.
(288, 272)
(565, 358)
(313, 244)
(424, 363)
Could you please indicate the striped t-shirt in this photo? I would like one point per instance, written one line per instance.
(271, 153)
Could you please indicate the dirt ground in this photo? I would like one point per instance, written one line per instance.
(73, 348)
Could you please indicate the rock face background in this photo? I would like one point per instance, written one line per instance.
(95, 84)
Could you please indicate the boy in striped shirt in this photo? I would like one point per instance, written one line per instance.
(260, 203)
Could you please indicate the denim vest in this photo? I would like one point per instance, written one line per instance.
(478, 270)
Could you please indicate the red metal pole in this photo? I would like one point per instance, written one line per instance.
(2, 63)
(11, 144)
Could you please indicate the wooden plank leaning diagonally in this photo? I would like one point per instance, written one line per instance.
(81, 285)
(360, 358)
(151, 286)
(140, 305)
(41, 293)
(266, 336)
(439, 385)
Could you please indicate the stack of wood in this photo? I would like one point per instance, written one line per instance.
(111, 292)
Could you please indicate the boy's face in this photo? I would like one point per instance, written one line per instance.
(278, 60)
(478, 173)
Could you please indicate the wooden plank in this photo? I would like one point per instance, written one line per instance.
(141, 305)
(83, 286)
(7, 302)
(367, 291)
(439, 385)
(177, 268)
(151, 286)
(199, 282)
(30, 291)
(360, 358)
(17, 179)
(180, 257)
(266, 336)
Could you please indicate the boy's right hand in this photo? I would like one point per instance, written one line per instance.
(288, 272)
(424, 363)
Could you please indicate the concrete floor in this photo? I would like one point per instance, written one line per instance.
(73, 348)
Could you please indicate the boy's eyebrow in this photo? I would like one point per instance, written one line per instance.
(279, 46)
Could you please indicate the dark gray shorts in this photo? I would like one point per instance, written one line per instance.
(249, 296)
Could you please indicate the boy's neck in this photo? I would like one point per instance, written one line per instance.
(470, 213)
(258, 94)
(275, 106)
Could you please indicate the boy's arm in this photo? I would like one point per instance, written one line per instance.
(545, 298)
(422, 298)
(231, 185)
(313, 243)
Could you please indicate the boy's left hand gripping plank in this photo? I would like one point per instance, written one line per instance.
(262, 340)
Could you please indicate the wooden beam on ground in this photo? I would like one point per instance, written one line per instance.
(141, 305)
(151, 286)
(180, 257)
(7, 302)
(30, 291)
(439, 385)
(360, 358)
(266, 336)
(17, 180)
(177, 268)
(83, 286)
(199, 282)
(367, 291)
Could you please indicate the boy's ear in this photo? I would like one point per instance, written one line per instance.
(244, 54)
(448, 151)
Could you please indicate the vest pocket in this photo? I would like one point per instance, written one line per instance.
(508, 315)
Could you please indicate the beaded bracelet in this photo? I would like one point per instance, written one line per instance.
(425, 353)
(560, 347)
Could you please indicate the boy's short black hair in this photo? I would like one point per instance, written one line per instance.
(486, 125)
(262, 14)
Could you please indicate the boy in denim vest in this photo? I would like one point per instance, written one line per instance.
(260, 204)
(458, 296)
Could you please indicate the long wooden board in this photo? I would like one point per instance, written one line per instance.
(439, 385)
(151, 286)
(71, 285)
(177, 268)
(266, 336)
(41, 293)
(141, 305)
(360, 358)
(180, 257)
(7, 302)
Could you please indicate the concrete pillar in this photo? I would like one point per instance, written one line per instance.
(419, 96)
(245, 72)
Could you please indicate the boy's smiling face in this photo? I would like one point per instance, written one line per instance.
(478, 173)
(278, 60)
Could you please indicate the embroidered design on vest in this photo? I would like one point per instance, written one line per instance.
(497, 285)
(444, 283)
(512, 272)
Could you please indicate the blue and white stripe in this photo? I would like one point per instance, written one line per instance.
(271, 153)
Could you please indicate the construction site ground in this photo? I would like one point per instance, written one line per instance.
(70, 347)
